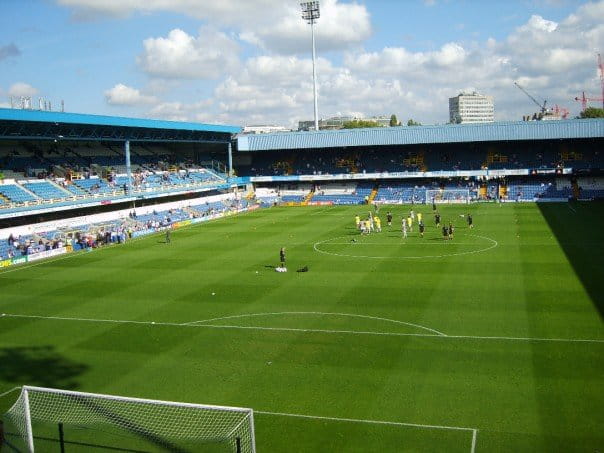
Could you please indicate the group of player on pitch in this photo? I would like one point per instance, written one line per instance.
(373, 223)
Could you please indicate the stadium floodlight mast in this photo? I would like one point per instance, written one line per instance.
(310, 13)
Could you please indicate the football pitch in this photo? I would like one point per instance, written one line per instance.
(492, 341)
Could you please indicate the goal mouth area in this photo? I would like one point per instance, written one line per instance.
(448, 196)
(41, 415)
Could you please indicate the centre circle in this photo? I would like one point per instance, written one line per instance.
(372, 246)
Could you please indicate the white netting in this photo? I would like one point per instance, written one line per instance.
(130, 422)
(447, 196)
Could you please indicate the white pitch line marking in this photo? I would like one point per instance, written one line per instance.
(2, 395)
(360, 420)
(474, 435)
(316, 245)
(571, 208)
(441, 243)
(20, 267)
(290, 329)
(249, 315)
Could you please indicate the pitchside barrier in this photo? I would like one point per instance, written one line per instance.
(49, 420)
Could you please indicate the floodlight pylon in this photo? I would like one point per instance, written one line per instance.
(310, 13)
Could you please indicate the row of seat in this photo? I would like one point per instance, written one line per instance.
(45, 190)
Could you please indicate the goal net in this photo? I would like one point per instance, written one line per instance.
(49, 419)
(447, 196)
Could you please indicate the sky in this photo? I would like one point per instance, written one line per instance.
(248, 62)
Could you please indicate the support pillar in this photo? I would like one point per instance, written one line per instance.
(230, 170)
(128, 168)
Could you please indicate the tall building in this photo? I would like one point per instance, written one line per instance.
(471, 108)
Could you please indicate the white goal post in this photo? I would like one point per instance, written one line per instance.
(447, 196)
(42, 417)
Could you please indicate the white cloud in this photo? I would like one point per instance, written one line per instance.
(183, 56)
(179, 111)
(552, 60)
(274, 25)
(19, 89)
(124, 95)
(341, 25)
(258, 94)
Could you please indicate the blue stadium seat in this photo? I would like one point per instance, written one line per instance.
(16, 194)
(45, 190)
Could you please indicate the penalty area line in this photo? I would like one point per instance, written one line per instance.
(474, 436)
(321, 313)
(474, 431)
(291, 329)
(361, 420)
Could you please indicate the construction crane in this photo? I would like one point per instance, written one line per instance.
(585, 99)
(542, 108)
(561, 112)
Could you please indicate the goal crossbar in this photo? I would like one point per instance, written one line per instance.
(447, 196)
(174, 426)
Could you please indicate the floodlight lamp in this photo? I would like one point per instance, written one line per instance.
(310, 11)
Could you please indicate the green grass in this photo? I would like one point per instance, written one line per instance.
(535, 272)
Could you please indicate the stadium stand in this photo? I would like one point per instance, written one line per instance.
(433, 157)
(525, 189)
(46, 190)
(590, 188)
(16, 194)
(403, 192)
(94, 186)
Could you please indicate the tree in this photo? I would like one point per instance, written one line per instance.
(357, 124)
(413, 123)
(592, 112)
(394, 121)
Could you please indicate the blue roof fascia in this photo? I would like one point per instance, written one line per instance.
(102, 120)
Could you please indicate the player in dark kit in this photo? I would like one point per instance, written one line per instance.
(437, 219)
(389, 218)
(445, 233)
(433, 204)
(470, 221)
(422, 227)
(451, 230)
(282, 256)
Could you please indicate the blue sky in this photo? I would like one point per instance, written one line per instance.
(248, 62)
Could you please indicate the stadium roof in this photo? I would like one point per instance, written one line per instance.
(414, 135)
(45, 125)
